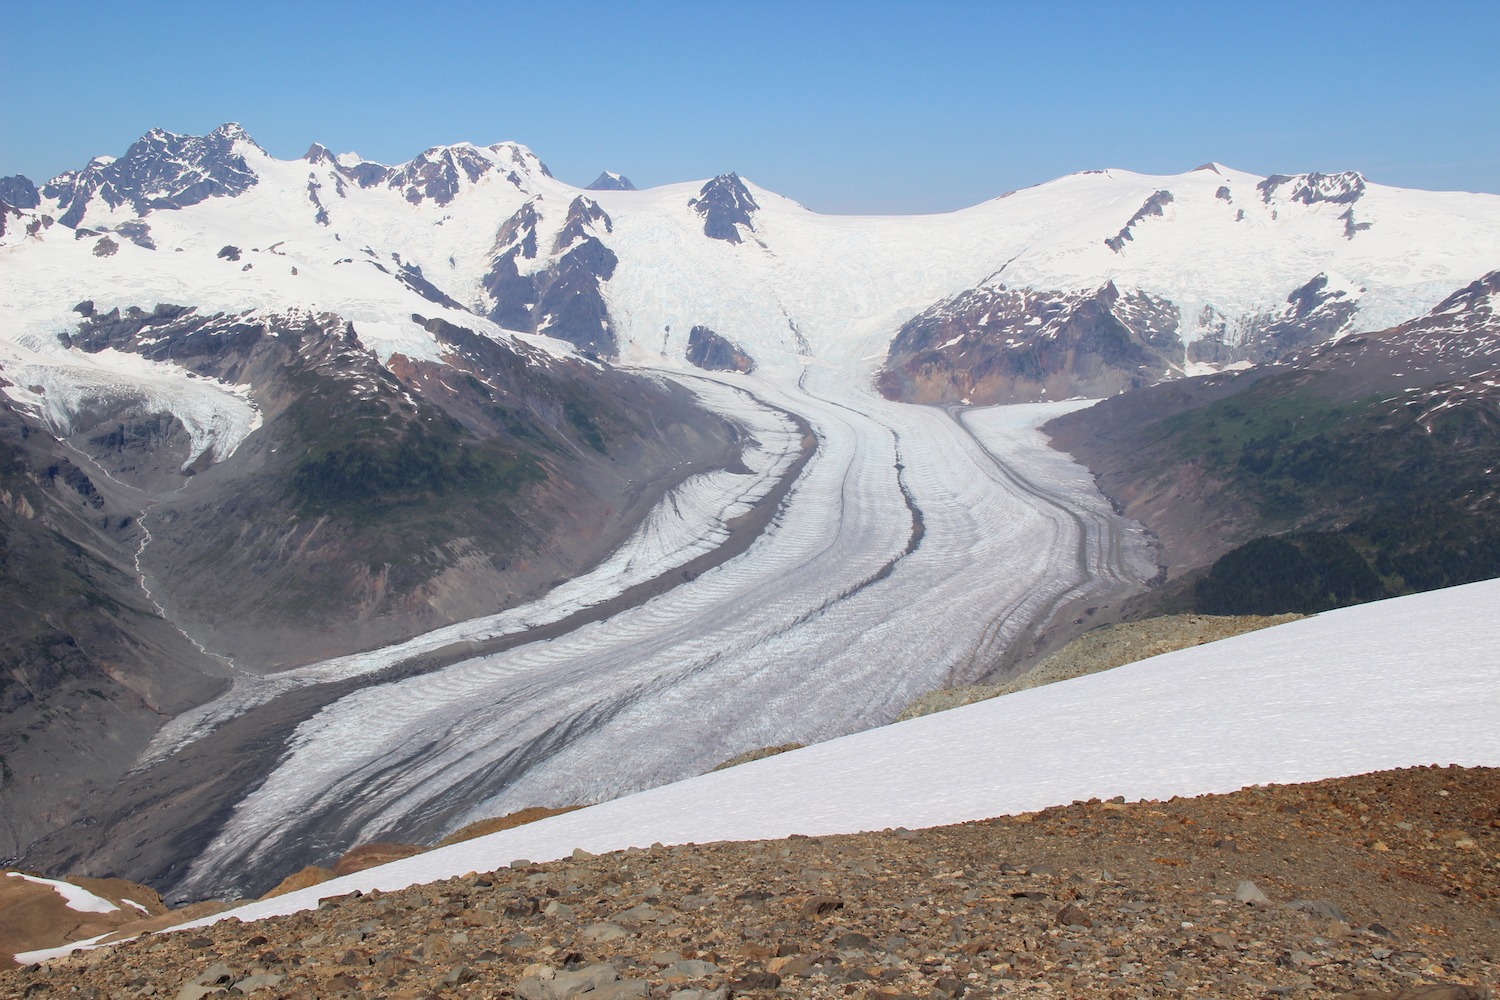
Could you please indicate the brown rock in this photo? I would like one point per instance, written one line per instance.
(35, 915)
(373, 855)
(169, 919)
(509, 821)
(819, 906)
(761, 754)
(1074, 915)
(310, 876)
(1432, 991)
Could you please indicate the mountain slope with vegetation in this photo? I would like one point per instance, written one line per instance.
(1327, 479)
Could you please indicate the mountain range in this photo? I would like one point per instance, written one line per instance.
(263, 416)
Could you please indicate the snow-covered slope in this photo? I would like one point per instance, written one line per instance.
(1403, 682)
(1225, 248)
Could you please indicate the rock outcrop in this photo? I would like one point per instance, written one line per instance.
(1102, 649)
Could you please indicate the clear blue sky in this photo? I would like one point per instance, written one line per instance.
(847, 107)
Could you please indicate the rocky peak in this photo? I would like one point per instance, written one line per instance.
(584, 214)
(1340, 189)
(518, 233)
(725, 204)
(18, 192)
(711, 352)
(441, 172)
(608, 181)
(561, 298)
(996, 344)
(514, 156)
(1478, 296)
(438, 174)
(161, 170)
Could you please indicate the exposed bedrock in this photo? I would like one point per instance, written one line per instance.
(1008, 345)
(711, 352)
(378, 501)
(725, 204)
(557, 290)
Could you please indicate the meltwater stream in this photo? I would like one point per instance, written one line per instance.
(914, 545)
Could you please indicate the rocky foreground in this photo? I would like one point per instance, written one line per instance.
(1379, 885)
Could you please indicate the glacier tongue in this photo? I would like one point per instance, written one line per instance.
(68, 388)
(847, 607)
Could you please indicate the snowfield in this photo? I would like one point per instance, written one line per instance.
(1403, 682)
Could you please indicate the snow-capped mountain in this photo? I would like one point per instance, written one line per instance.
(326, 405)
(1237, 267)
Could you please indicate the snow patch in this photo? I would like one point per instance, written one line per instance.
(74, 897)
(64, 387)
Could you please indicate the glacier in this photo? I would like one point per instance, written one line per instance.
(915, 545)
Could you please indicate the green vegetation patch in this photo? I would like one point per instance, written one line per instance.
(363, 456)
(1404, 489)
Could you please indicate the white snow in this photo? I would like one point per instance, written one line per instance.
(74, 897)
(1397, 683)
(61, 386)
(48, 954)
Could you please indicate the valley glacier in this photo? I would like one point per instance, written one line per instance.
(832, 621)
(1326, 696)
(908, 551)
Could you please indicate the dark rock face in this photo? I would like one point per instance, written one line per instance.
(1309, 189)
(313, 187)
(411, 276)
(1003, 345)
(607, 181)
(711, 352)
(18, 192)
(725, 204)
(138, 232)
(474, 467)
(1313, 314)
(8, 216)
(438, 173)
(1350, 226)
(374, 503)
(564, 298)
(88, 669)
(583, 216)
(159, 171)
(1153, 207)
